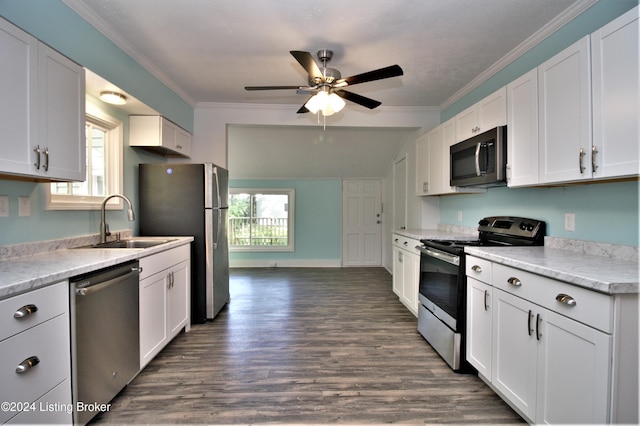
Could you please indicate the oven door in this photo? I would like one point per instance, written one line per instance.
(440, 285)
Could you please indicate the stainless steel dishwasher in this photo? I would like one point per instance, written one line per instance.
(105, 336)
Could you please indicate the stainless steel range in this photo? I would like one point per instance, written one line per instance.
(442, 287)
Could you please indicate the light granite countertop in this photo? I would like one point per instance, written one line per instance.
(436, 234)
(608, 275)
(26, 273)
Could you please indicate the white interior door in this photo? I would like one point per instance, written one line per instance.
(361, 222)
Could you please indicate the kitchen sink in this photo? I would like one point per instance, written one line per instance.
(133, 243)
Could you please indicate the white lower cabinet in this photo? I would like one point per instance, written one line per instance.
(165, 292)
(479, 314)
(553, 369)
(35, 360)
(552, 350)
(406, 271)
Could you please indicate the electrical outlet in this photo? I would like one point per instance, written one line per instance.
(569, 221)
(4, 205)
(459, 215)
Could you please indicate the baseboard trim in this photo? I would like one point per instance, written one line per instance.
(329, 263)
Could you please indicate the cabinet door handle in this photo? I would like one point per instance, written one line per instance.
(25, 311)
(529, 316)
(594, 166)
(486, 294)
(514, 281)
(581, 160)
(46, 159)
(476, 268)
(538, 320)
(566, 299)
(27, 364)
(37, 151)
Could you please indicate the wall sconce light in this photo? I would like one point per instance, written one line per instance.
(113, 98)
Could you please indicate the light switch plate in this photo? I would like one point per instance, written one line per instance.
(24, 206)
(569, 221)
(4, 205)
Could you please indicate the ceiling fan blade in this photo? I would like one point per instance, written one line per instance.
(358, 99)
(306, 60)
(273, 87)
(387, 72)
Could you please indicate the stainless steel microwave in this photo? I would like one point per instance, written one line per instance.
(480, 160)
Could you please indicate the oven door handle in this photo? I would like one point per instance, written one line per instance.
(449, 258)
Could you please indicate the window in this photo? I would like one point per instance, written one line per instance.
(104, 167)
(261, 219)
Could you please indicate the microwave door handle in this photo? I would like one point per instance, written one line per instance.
(478, 147)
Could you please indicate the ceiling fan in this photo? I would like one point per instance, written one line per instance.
(326, 84)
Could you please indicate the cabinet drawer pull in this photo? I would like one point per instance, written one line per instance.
(566, 299)
(476, 268)
(27, 364)
(514, 281)
(25, 311)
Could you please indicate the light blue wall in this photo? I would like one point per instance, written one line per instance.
(318, 219)
(605, 212)
(54, 23)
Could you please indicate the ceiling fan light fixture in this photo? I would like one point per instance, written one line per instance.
(113, 98)
(327, 103)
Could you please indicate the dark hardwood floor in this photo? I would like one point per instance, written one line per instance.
(318, 345)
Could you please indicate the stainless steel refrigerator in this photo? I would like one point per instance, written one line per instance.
(179, 199)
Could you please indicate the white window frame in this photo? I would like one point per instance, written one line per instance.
(290, 192)
(113, 172)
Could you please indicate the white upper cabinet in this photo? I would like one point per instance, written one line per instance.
(564, 87)
(61, 88)
(433, 164)
(522, 130)
(614, 53)
(156, 133)
(485, 115)
(42, 112)
(422, 165)
(17, 117)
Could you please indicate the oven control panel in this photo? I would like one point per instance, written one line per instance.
(513, 226)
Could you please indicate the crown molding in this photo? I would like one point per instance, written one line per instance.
(558, 22)
(98, 23)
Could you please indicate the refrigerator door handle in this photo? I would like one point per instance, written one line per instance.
(217, 238)
(217, 178)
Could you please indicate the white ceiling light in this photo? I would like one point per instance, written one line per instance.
(327, 103)
(113, 98)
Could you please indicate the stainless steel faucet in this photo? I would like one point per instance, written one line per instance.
(104, 228)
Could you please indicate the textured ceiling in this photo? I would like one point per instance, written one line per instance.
(208, 50)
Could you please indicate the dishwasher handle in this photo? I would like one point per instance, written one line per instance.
(85, 291)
